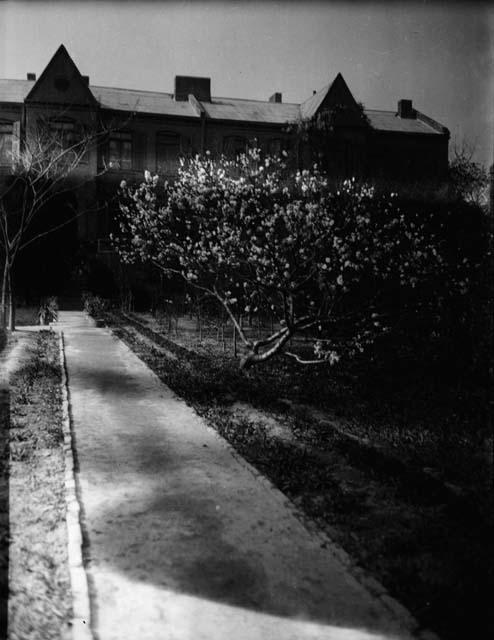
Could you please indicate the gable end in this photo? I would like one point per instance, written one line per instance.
(61, 83)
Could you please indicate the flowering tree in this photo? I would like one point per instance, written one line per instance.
(256, 237)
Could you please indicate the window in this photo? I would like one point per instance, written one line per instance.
(63, 131)
(168, 149)
(65, 135)
(234, 145)
(6, 137)
(275, 147)
(120, 150)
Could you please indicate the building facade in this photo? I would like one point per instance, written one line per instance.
(151, 130)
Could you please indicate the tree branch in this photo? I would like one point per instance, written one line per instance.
(301, 360)
(254, 358)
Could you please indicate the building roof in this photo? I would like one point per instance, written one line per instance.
(233, 109)
(389, 121)
(141, 101)
(14, 90)
(311, 105)
(251, 110)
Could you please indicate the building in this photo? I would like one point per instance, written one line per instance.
(150, 130)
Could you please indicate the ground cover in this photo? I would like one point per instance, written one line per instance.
(421, 416)
(431, 554)
(39, 590)
(4, 490)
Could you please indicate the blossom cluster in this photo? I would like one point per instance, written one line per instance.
(264, 239)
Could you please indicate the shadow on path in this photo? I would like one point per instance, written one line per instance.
(180, 533)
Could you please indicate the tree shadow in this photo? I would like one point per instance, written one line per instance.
(177, 542)
(184, 522)
(168, 509)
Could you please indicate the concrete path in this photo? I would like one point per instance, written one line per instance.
(184, 540)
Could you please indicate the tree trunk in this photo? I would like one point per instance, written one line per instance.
(11, 303)
(3, 311)
(255, 356)
(6, 295)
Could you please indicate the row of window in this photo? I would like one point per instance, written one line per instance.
(121, 148)
(63, 132)
(170, 145)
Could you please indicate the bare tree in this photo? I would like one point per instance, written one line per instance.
(468, 179)
(45, 164)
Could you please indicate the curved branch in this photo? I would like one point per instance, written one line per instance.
(301, 360)
(254, 358)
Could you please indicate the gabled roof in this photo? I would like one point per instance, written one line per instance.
(60, 75)
(310, 107)
(229, 109)
(336, 93)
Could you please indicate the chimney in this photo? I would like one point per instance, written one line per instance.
(85, 79)
(405, 109)
(31, 76)
(276, 97)
(200, 88)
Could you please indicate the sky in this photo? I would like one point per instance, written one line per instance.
(438, 53)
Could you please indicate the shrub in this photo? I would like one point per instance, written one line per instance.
(48, 311)
(95, 305)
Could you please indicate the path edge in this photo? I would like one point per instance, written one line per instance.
(80, 622)
(401, 614)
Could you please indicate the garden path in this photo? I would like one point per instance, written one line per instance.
(182, 538)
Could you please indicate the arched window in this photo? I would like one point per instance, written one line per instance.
(6, 137)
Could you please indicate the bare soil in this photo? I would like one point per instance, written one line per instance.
(39, 596)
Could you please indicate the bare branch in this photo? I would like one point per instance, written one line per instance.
(236, 324)
(302, 361)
